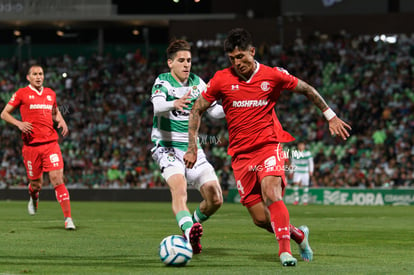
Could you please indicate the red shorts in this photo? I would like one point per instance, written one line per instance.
(42, 158)
(249, 170)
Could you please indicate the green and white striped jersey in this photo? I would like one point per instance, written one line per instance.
(170, 129)
(302, 161)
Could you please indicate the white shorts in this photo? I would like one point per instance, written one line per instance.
(302, 178)
(170, 161)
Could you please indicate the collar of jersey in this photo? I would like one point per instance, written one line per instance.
(186, 84)
(255, 71)
(34, 89)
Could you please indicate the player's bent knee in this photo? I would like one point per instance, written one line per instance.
(56, 177)
(261, 223)
(217, 201)
(36, 185)
(212, 194)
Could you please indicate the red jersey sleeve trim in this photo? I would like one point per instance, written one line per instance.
(207, 97)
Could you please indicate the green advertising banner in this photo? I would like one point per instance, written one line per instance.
(347, 196)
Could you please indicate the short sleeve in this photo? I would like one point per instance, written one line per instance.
(212, 92)
(15, 100)
(286, 80)
(55, 105)
(159, 90)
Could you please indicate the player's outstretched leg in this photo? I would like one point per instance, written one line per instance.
(195, 234)
(279, 215)
(304, 248)
(287, 259)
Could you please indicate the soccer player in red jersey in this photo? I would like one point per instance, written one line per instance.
(249, 91)
(41, 151)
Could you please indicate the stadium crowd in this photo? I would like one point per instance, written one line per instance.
(105, 101)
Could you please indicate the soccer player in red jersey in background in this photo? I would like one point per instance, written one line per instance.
(249, 91)
(41, 151)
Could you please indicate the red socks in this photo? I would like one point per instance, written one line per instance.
(296, 234)
(62, 196)
(279, 217)
(32, 193)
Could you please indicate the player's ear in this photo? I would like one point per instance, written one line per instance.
(169, 62)
(252, 51)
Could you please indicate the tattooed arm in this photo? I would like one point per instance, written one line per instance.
(336, 125)
(312, 94)
(199, 107)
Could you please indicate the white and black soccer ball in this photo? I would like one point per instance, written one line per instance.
(175, 250)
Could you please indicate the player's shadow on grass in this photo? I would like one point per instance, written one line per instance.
(60, 228)
(223, 252)
(271, 258)
(219, 251)
(123, 260)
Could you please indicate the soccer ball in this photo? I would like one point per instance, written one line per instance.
(175, 250)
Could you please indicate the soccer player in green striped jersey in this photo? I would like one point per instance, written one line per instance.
(173, 95)
(302, 161)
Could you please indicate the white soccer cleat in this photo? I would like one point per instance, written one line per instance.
(69, 225)
(304, 248)
(287, 259)
(32, 206)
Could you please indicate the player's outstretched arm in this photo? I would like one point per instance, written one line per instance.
(199, 107)
(336, 125)
(6, 115)
(57, 116)
(161, 104)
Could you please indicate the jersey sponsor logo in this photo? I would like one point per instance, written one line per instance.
(249, 103)
(166, 150)
(182, 113)
(49, 98)
(54, 159)
(265, 86)
(40, 106)
(235, 87)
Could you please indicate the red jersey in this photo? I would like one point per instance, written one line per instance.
(249, 106)
(36, 107)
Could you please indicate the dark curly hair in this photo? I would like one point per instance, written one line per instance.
(239, 38)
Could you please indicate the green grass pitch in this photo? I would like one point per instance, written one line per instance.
(123, 238)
